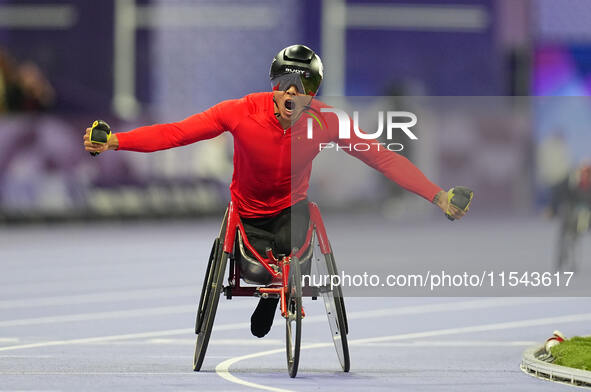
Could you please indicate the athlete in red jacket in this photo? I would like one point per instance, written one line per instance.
(272, 153)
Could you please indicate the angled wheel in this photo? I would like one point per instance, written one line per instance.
(339, 292)
(293, 324)
(203, 299)
(335, 310)
(208, 302)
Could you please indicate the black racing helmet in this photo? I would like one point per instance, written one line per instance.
(296, 65)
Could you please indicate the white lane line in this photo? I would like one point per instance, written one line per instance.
(222, 342)
(189, 341)
(281, 343)
(374, 313)
(169, 332)
(163, 310)
(191, 373)
(32, 390)
(127, 313)
(48, 288)
(93, 298)
(9, 340)
(480, 328)
(455, 343)
(223, 368)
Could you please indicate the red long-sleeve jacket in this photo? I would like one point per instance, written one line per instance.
(272, 166)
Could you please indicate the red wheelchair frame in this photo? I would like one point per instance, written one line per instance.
(280, 276)
(285, 283)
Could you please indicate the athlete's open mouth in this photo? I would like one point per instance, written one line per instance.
(289, 105)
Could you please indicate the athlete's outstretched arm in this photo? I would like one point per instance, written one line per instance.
(200, 126)
(403, 172)
(398, 169)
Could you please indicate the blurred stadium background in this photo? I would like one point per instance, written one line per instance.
(134, 62)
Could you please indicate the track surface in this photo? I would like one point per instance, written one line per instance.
(112, 307)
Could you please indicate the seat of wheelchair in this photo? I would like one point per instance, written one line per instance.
(253, 272)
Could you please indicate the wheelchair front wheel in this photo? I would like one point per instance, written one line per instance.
(293, 317)
(208, 303)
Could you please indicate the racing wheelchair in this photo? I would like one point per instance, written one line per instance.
(272, 275)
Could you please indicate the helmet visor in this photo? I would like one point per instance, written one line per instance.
(304, 85)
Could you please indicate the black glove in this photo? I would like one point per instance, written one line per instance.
(100, 133)
(460, 197)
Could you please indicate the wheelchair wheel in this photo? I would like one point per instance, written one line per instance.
(208, 302)
(335, 311)
(293, 330)
(203, 299)
(339, 292)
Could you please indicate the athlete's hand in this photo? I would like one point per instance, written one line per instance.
(89, 146)
(445, 206)
(444, 201)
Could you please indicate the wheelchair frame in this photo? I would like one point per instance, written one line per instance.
(285, 283)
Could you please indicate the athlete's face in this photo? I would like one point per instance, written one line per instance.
(290, 103)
